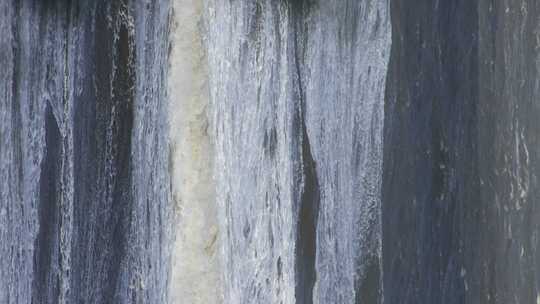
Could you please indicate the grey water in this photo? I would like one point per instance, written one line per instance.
(260, 151)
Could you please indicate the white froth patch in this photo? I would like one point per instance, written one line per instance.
(195, 273)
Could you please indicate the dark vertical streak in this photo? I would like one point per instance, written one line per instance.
(306, 238)
(368, 290)
(46, 253)
(115, 123)
(85, 149)
(46, 285)
(16, 124)
(123, 124)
